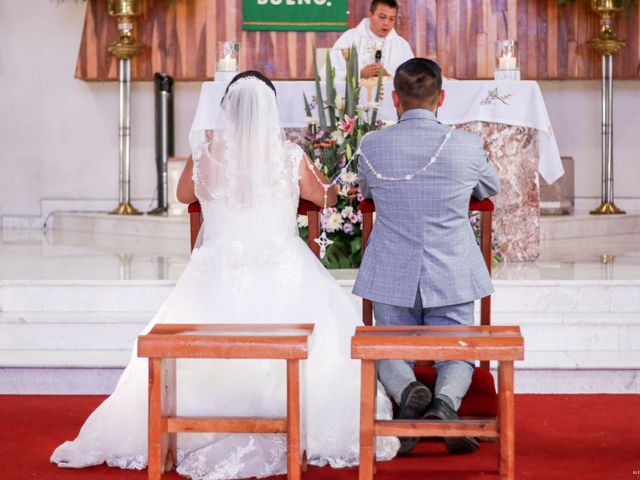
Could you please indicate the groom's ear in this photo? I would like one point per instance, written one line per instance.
(396, 99)
(440, 99)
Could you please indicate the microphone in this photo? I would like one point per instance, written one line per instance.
(378, 56)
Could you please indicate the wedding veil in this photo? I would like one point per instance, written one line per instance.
(240, 158)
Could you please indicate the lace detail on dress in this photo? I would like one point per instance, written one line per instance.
(67, 457)
(234, 454)
(241, 237)
(238, 256)
(138, 462)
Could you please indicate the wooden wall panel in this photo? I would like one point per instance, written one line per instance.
(459, 34)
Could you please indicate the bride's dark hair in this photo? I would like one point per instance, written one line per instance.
(254, 74)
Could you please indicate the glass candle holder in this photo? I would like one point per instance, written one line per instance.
(228, 53)
(507, 66)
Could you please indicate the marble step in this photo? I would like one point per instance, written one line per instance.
(114, 330)
(572, 373)
(118, 358)
(544, 296)
(83, 295)
(85, 352)
(551, 227)
(585, 225)
(92, 339)
(144, 225)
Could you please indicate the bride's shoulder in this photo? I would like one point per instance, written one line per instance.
(294, 151)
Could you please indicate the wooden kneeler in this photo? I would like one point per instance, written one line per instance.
(504, 344)
(167, 342)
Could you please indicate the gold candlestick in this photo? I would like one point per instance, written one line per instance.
(606, 43)
(124, 48)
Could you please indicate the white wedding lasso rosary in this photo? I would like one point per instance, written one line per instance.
(323, 241)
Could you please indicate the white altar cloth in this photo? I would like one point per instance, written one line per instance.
(517, 103)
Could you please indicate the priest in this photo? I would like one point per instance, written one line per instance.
(379, 45)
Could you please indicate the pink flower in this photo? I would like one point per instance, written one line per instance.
(347, 125)
(348, 228)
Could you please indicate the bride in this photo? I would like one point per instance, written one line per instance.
(250, 267)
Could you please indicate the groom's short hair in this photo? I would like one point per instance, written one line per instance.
(418, 82)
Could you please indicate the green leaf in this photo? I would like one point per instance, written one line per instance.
(319, 98)
(307, 107)
(356, 244)
(331, 92)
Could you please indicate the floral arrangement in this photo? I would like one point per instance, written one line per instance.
(496, 247)
(331, 140)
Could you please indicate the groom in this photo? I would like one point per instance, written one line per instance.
(422, 265)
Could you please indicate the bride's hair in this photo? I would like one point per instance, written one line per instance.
(250, 73)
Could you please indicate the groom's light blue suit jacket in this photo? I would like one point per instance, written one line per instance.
(422, 239)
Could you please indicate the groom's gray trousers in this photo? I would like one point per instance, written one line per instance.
(454, 377)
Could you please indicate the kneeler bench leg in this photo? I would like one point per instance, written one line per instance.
(164, 424)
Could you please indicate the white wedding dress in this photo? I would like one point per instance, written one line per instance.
(250, 267)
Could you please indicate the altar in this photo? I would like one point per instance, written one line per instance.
(512, 120)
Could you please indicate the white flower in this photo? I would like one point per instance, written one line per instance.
(312, 120)
(338, 136)
(303, 221)
(318, 163)
(339, 103)
(365, 107)
(348, 177)
(344, 191)
(334, 222)
(347, 211)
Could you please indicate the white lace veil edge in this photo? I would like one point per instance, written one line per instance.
(240, 158)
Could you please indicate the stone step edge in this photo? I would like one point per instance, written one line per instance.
(118, 358)
(524, 318)
(341, 281)
(103, 381)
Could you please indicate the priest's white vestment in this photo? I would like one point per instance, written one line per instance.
(395, 49)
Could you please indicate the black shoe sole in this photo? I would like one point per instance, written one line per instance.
(407, 444)
(455, 445)
(416, 405)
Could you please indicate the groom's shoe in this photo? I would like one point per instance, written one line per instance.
(440, 410)
(413, 405)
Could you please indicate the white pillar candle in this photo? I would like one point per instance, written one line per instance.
(227, 64)
(507, 62)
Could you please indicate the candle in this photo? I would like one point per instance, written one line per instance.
(507, 62)
(227, 64)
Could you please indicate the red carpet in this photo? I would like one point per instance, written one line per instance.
(582, 437)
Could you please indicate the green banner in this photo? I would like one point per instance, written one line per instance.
(295, 15)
